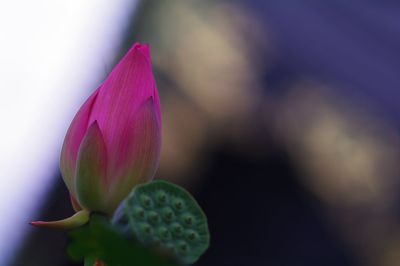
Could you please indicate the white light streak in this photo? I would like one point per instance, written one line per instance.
(51, 54)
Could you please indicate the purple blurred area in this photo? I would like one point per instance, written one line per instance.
(352, 45)
(281, 117)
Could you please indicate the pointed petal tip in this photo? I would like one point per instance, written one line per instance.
(150, 99)
(36, 223)
(154, 103)
(94, 124)
(43, 224)
(78, 219)
(144, 49)
(138, 45)
(94, 128)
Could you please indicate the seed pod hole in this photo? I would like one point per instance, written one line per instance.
(188, 219)
(168, 214)
(183, 247)
(146, 201)
(177, 229)
(161, 197)
(164, 233)
(191, 235)
(138, 212)
(178, 204)
(146, 229)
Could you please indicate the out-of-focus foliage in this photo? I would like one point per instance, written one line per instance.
(100, 240)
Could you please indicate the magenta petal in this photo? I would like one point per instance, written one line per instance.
(157, 106)
(144, 49)
(129, 85)
(91, 171)
(73, 140)
(134, 158)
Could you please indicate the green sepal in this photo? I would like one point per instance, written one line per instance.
(78, 219)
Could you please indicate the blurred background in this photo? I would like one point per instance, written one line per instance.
(281, 117)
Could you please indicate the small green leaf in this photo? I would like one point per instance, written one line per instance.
(100, 240)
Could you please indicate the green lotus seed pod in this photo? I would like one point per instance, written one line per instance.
(170, 246)
(156, 241)
(165, 215)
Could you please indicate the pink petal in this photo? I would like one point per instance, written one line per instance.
(135, 156)
(157, 106)
(124, 91)
(145, 50)
(91, 183)
(73, 140)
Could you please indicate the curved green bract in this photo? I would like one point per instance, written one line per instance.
(167, 216)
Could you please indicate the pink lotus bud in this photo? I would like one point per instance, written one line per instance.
(114, 141)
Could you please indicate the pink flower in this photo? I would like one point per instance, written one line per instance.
(114, 141)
